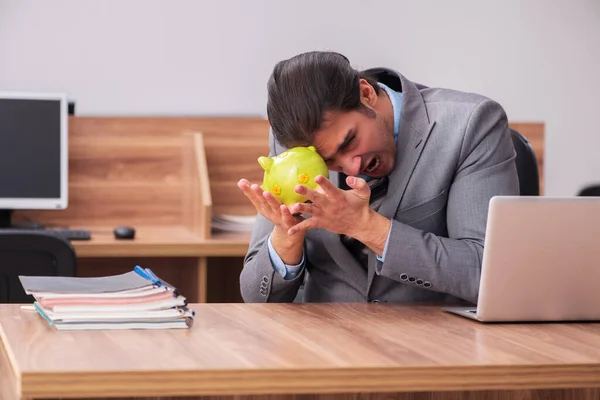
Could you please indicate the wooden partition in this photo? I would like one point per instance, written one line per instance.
(121, 173)
(197, 198)
(164, 176)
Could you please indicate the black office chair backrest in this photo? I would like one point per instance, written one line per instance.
(31, 253)
(593, 190)
(527, 166)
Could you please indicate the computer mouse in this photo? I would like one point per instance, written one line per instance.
(124, 232)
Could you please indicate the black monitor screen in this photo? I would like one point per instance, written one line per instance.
(30, 148)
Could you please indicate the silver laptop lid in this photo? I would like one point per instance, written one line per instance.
(541, 260)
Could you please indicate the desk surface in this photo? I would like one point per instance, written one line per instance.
(160, 241)
(298, 348)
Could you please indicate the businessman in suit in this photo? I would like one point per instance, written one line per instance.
(402, 216)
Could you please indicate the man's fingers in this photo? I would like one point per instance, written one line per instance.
(247, 189)
(287, 217)
(309, 193)
(271, 201)
(302, 226)
(258, 191)
(255, 194)
(303, 208)
(243, 184)
(328, 187)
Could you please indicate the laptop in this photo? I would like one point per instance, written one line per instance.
(541, 261)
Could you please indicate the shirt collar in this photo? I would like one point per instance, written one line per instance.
(396, 99)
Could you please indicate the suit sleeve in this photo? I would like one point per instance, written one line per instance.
(486, 168)
(259, 282)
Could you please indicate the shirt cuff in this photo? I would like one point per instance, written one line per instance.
(287, 272)
(382, 257)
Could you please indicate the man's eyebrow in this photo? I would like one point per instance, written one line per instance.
(343, 144)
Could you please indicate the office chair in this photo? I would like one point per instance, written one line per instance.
(527, 167)
(593, 190)
(36, 253)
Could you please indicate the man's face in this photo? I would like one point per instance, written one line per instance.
(359, 144)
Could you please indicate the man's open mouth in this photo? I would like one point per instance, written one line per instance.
(373, 165)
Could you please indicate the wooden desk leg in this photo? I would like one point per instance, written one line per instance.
(201, 281)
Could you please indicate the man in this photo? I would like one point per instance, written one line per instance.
(403, 216)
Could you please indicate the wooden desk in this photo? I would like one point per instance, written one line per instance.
(161, 241)
(389, 351)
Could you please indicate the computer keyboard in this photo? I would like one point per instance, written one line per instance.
(71, 234)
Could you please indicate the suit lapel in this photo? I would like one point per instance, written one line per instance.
(415, 128)
(407, 156)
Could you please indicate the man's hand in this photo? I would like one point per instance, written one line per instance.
(289, 248)
(268, 206)
(333, 209)
(344, 212)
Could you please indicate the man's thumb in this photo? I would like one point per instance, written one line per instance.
(360, 185)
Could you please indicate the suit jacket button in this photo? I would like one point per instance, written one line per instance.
(411, 279)
(419, 282)
(404, 277)
(426, 284)
(265, 279)
(375, 301)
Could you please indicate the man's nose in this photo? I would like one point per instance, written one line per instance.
(351, 165)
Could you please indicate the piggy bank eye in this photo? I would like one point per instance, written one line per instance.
(303, 178)
(276, 190)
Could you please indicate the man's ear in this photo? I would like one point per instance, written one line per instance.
(367, 94)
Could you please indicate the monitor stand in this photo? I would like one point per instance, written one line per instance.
(6, 222)
(5, 218)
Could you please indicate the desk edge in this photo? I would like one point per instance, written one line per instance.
(307, 381)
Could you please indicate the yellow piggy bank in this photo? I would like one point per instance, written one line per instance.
(296, 166)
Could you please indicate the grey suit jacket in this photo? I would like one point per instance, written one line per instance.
(454, 153)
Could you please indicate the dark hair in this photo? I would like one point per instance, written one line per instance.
(303, 88)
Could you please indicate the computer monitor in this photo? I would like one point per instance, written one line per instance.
(33, 153)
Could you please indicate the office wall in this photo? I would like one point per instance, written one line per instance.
(539, 58)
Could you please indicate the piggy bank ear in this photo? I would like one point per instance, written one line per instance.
(265, 162)
(312, 148)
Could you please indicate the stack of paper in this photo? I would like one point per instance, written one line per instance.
(232, 223)
(134, 300)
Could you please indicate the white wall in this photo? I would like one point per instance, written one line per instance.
(539, 58)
